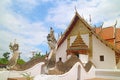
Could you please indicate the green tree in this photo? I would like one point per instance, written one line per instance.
(6, 55)
(37, 55)
(4, 60)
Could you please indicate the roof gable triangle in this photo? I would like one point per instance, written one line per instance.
(71, 26)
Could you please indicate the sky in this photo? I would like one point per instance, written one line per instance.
(29, 21)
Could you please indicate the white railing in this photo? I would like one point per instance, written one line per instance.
(71, 75)
(35, 70)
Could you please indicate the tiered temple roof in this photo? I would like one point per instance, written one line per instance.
(78, 46)
(110, 35)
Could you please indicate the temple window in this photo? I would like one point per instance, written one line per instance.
(101, 58)
(60, 59)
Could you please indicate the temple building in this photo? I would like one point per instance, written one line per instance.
(99, 45)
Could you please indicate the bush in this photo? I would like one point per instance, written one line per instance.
(20, 61)
(3, 61)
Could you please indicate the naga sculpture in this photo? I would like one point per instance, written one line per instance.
(51, 39)
(14, 47)
(52, 44)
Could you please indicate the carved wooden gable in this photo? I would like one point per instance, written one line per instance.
(79, 27)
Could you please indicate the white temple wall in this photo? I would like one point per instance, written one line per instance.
(78, 73)
(103, 51)
(83, 58)
(61, 52)
(87, 75)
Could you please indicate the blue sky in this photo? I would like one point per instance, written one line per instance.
(29, 21)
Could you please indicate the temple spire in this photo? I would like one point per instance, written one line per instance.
(75, 10)
(101, 26)
(115, 23)
(90, 20)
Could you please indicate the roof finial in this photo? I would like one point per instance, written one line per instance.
(102, 24)
(75, 9)
(90, 18)
(115, 23)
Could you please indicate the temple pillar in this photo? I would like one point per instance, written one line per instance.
(90, 46)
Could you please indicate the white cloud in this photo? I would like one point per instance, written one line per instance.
(106, 11)
(27, 5)
(100, 10)
(61, 15)
(14, 26)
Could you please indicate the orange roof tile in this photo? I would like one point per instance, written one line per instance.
(97, 30)
(107, 33)
(118, 34)
(118, 45)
